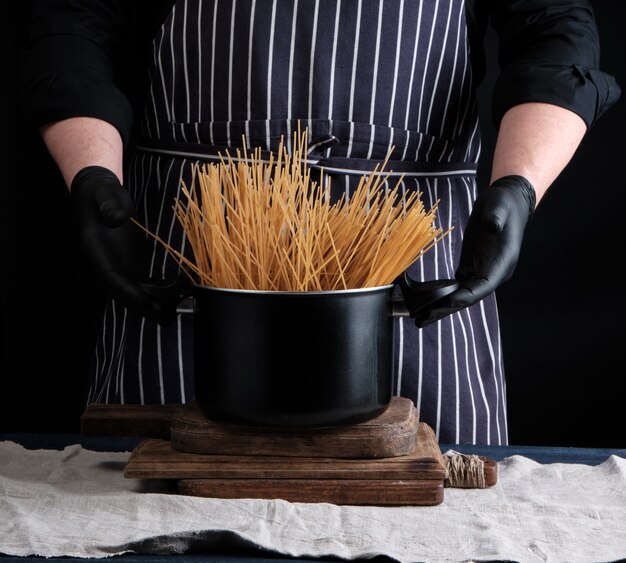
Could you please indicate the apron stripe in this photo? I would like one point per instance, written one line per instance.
(432, 195)
(160, 364)
(447, 260)
(503, 380)
(146, 118)
(418, 28)
(400, 331)
(108, 359)
(199, 52)
(450, 260)
(214, 34)
(120, 358)
(457, 387)
(249, 81)
(479, 379)
(333, 61)
(185, 66)
(420, 372)
(142, 394)
(470, 195)
(471, 146)
(161, 72)
(292, 46)
(436, 83)
(460, 115)
(396, 64)
(312, 63)
(155, 243)
(173, 221)
(426, 68)
(469, 378)
(230, 63)
(122, 391)
(495, 375)
(268, 88)
(173, 66)
(452, 86)
(181, 371)
(105, 369)
(354, 67)
(374, 77)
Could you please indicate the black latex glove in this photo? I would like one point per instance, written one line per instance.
(491, 245)
(113, 244)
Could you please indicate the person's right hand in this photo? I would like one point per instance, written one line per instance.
(113, 244)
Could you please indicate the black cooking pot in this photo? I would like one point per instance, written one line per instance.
(299, 359)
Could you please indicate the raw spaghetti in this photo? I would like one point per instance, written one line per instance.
(266, 226)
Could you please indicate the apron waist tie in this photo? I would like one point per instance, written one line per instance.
(314, 159)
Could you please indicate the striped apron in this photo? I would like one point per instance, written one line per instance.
(363, 76)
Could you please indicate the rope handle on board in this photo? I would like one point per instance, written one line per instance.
(465, 471)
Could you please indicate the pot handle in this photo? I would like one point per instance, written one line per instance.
(174, 294)
(417, 295)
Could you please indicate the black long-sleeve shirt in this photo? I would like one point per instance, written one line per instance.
(85, 57)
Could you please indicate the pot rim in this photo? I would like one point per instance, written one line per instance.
(274, 292)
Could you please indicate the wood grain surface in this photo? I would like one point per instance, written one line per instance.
(364, 492)
(156, 459)
(491, 471)
(146, 421)
(390, 460)
(413, 479)
(392, 433)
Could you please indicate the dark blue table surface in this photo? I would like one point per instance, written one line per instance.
(541, 454)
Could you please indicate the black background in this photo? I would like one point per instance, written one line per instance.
(562, 314)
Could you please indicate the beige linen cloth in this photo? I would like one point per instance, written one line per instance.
(76, 502)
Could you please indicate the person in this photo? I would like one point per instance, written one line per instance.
(363, 77)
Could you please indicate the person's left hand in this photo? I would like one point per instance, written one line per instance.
(491, 246)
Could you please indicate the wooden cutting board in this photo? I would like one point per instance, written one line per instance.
(392, 433)
(413, 479)
(392, 460)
